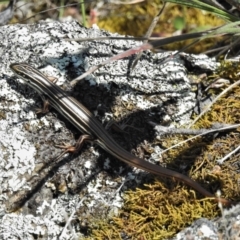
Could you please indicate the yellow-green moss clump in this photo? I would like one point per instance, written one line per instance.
(155, 212)
(135, 20)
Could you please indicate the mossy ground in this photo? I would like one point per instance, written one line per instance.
(160, 209)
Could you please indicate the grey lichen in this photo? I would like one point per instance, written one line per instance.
(44, 190)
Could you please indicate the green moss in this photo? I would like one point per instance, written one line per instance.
(155, 212)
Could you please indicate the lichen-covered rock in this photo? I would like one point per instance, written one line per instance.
(41, 191)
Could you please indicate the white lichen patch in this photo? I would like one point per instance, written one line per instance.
(18, 157)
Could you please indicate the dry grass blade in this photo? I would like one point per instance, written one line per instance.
(149, 33)
(214, 101)
(234, 126)
(207, 7)
(220, 161)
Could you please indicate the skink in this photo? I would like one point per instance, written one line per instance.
(85, 122)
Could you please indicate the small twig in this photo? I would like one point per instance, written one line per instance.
(215, 128)
(149, 33)
(226, 48)
(214, 101)
(111, 38)
(50, 9)
(204, 133)
(127, 3)
(220, 161)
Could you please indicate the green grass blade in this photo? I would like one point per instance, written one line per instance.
(207, 7)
